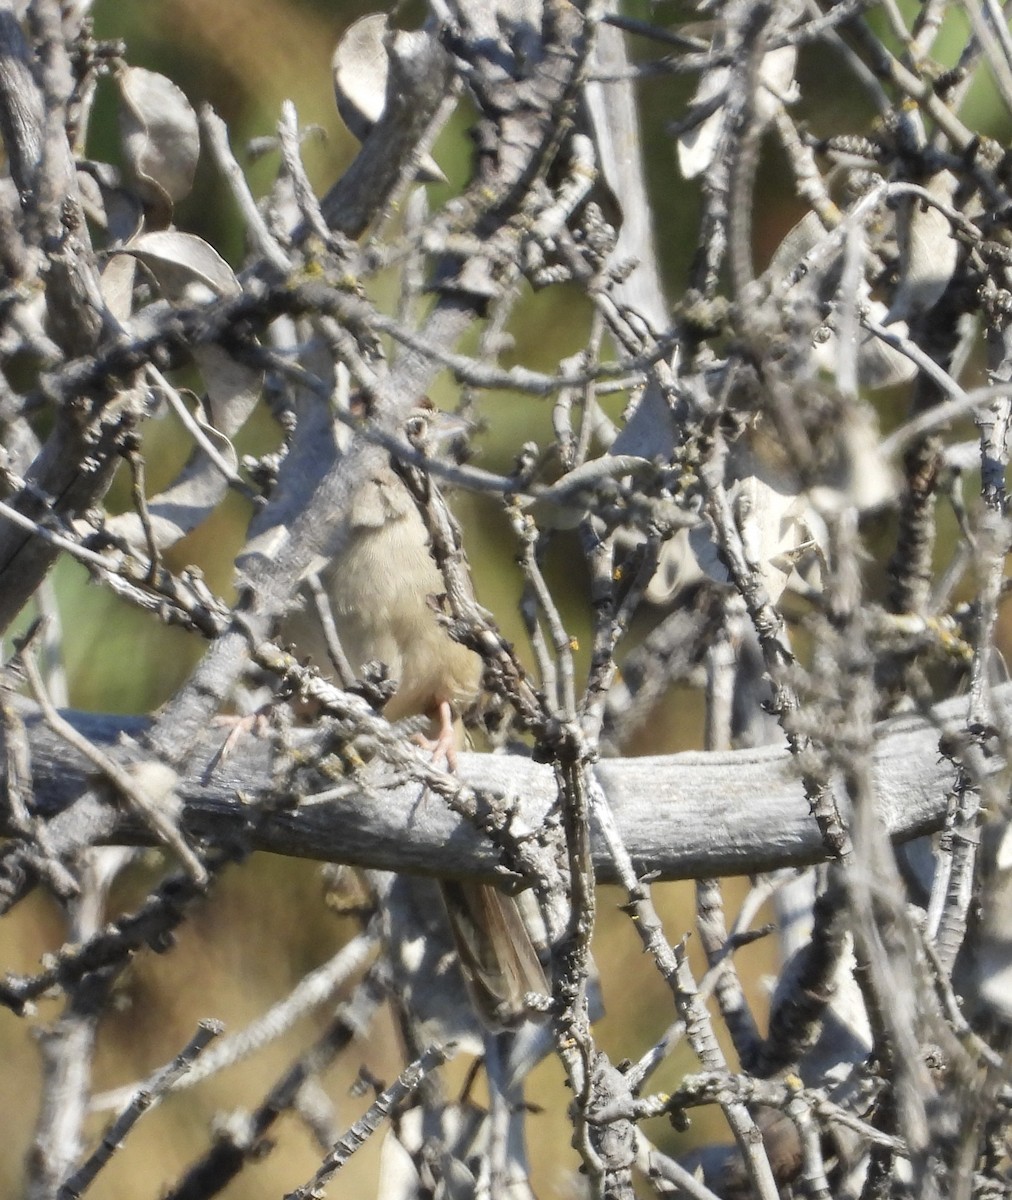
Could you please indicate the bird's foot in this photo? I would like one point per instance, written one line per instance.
(444, 744)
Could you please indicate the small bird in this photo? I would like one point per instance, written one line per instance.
(383, 589)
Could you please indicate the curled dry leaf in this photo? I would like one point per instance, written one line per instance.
(928, 251)
(188, 271)
(781, 532)
(782, 524)
(109, 205)
(161, 139)
(232, 389)
(361, 74)
(878, 365)
(698, 146)
(117, 282)
(186, 268)
(993, 950)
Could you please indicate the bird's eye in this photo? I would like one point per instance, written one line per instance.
(416, 427)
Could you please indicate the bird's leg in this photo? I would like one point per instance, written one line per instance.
(444, 744)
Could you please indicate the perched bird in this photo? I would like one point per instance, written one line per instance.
(382, 589)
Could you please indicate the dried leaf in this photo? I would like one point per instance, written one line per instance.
(698, 146)
(928, 251)
(878, 364)
(110, 205)
(361, 73)
(161, 139)
(782, 525)
(993, 946)
(187, 269)
(117, 282)
(232, 387)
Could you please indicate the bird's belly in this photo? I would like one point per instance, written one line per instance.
(381, 613)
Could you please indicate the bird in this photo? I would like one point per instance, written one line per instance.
(383, 589)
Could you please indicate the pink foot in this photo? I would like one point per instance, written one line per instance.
(443, 745)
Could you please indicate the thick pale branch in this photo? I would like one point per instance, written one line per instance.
(22, 113)
(680, 816)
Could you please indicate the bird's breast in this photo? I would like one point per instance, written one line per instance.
(382, 596)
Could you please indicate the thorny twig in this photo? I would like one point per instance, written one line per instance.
(892, 266)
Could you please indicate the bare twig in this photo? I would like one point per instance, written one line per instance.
(144, 1099)
(407, 1082)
